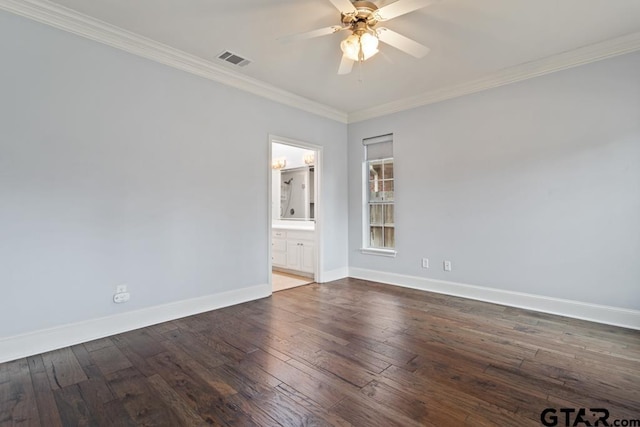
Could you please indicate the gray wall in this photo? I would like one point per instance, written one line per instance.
(532, 187)
(115, 169)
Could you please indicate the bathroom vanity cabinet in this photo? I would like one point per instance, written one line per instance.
(293, 250)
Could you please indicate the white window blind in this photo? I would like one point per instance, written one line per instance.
(380, 147)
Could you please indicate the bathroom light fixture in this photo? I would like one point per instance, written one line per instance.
(278, 163)
(309, 159)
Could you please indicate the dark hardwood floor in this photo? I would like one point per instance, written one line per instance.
(344, 353)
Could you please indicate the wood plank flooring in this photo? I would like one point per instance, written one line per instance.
(346, 353)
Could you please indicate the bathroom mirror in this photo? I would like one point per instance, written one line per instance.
(293, 183)
(297, 198)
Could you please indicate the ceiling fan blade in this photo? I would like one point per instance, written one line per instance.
(401, 42)
(346, 65)
(400, 7)
(311, 34)
(344, 6)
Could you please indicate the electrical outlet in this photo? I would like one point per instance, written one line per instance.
(121, 289)
(446, 265)
(121, 297)
(425, 262)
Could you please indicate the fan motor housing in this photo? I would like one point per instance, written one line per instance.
(365, 13)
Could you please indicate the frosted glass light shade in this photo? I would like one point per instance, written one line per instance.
(369, 44)
(351, 47)
(357, 47)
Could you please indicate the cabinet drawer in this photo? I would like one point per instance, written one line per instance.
(279, 234)
(279, 245)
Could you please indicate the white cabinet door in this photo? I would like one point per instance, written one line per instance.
(307, 262)
(279, 245)
(293, 254)
(301, 255)
(293, 250)
(279, 259)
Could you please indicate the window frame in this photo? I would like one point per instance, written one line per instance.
(367, 204)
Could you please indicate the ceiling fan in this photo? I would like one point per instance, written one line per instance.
(361, 18)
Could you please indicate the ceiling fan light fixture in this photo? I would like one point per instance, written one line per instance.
(351, 47)
(369, 43)
(361, 17)
(360, 47)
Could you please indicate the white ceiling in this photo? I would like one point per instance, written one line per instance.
(469, 40)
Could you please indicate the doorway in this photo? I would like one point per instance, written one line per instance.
(294, 213)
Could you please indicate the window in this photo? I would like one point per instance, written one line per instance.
(379, 236)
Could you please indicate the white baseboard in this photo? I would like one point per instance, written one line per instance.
(337, 274)
(16, 347)
(616, 316)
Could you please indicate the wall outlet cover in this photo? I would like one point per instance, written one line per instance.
(121, 297)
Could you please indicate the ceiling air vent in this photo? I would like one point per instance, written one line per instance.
(233, 58)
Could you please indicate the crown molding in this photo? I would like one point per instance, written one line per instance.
(584, 55)
(74, 22)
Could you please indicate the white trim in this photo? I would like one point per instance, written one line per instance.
(270, 212)
(366, 249)
(584, 55)
(44, 340)
(378, 139)
(364, 206)
(318, 217)
(319, 210)
(380, 252)
(337, 274)
(616, 316)
(294, 142)
(91, 28)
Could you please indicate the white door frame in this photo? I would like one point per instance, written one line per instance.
(319, 206)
